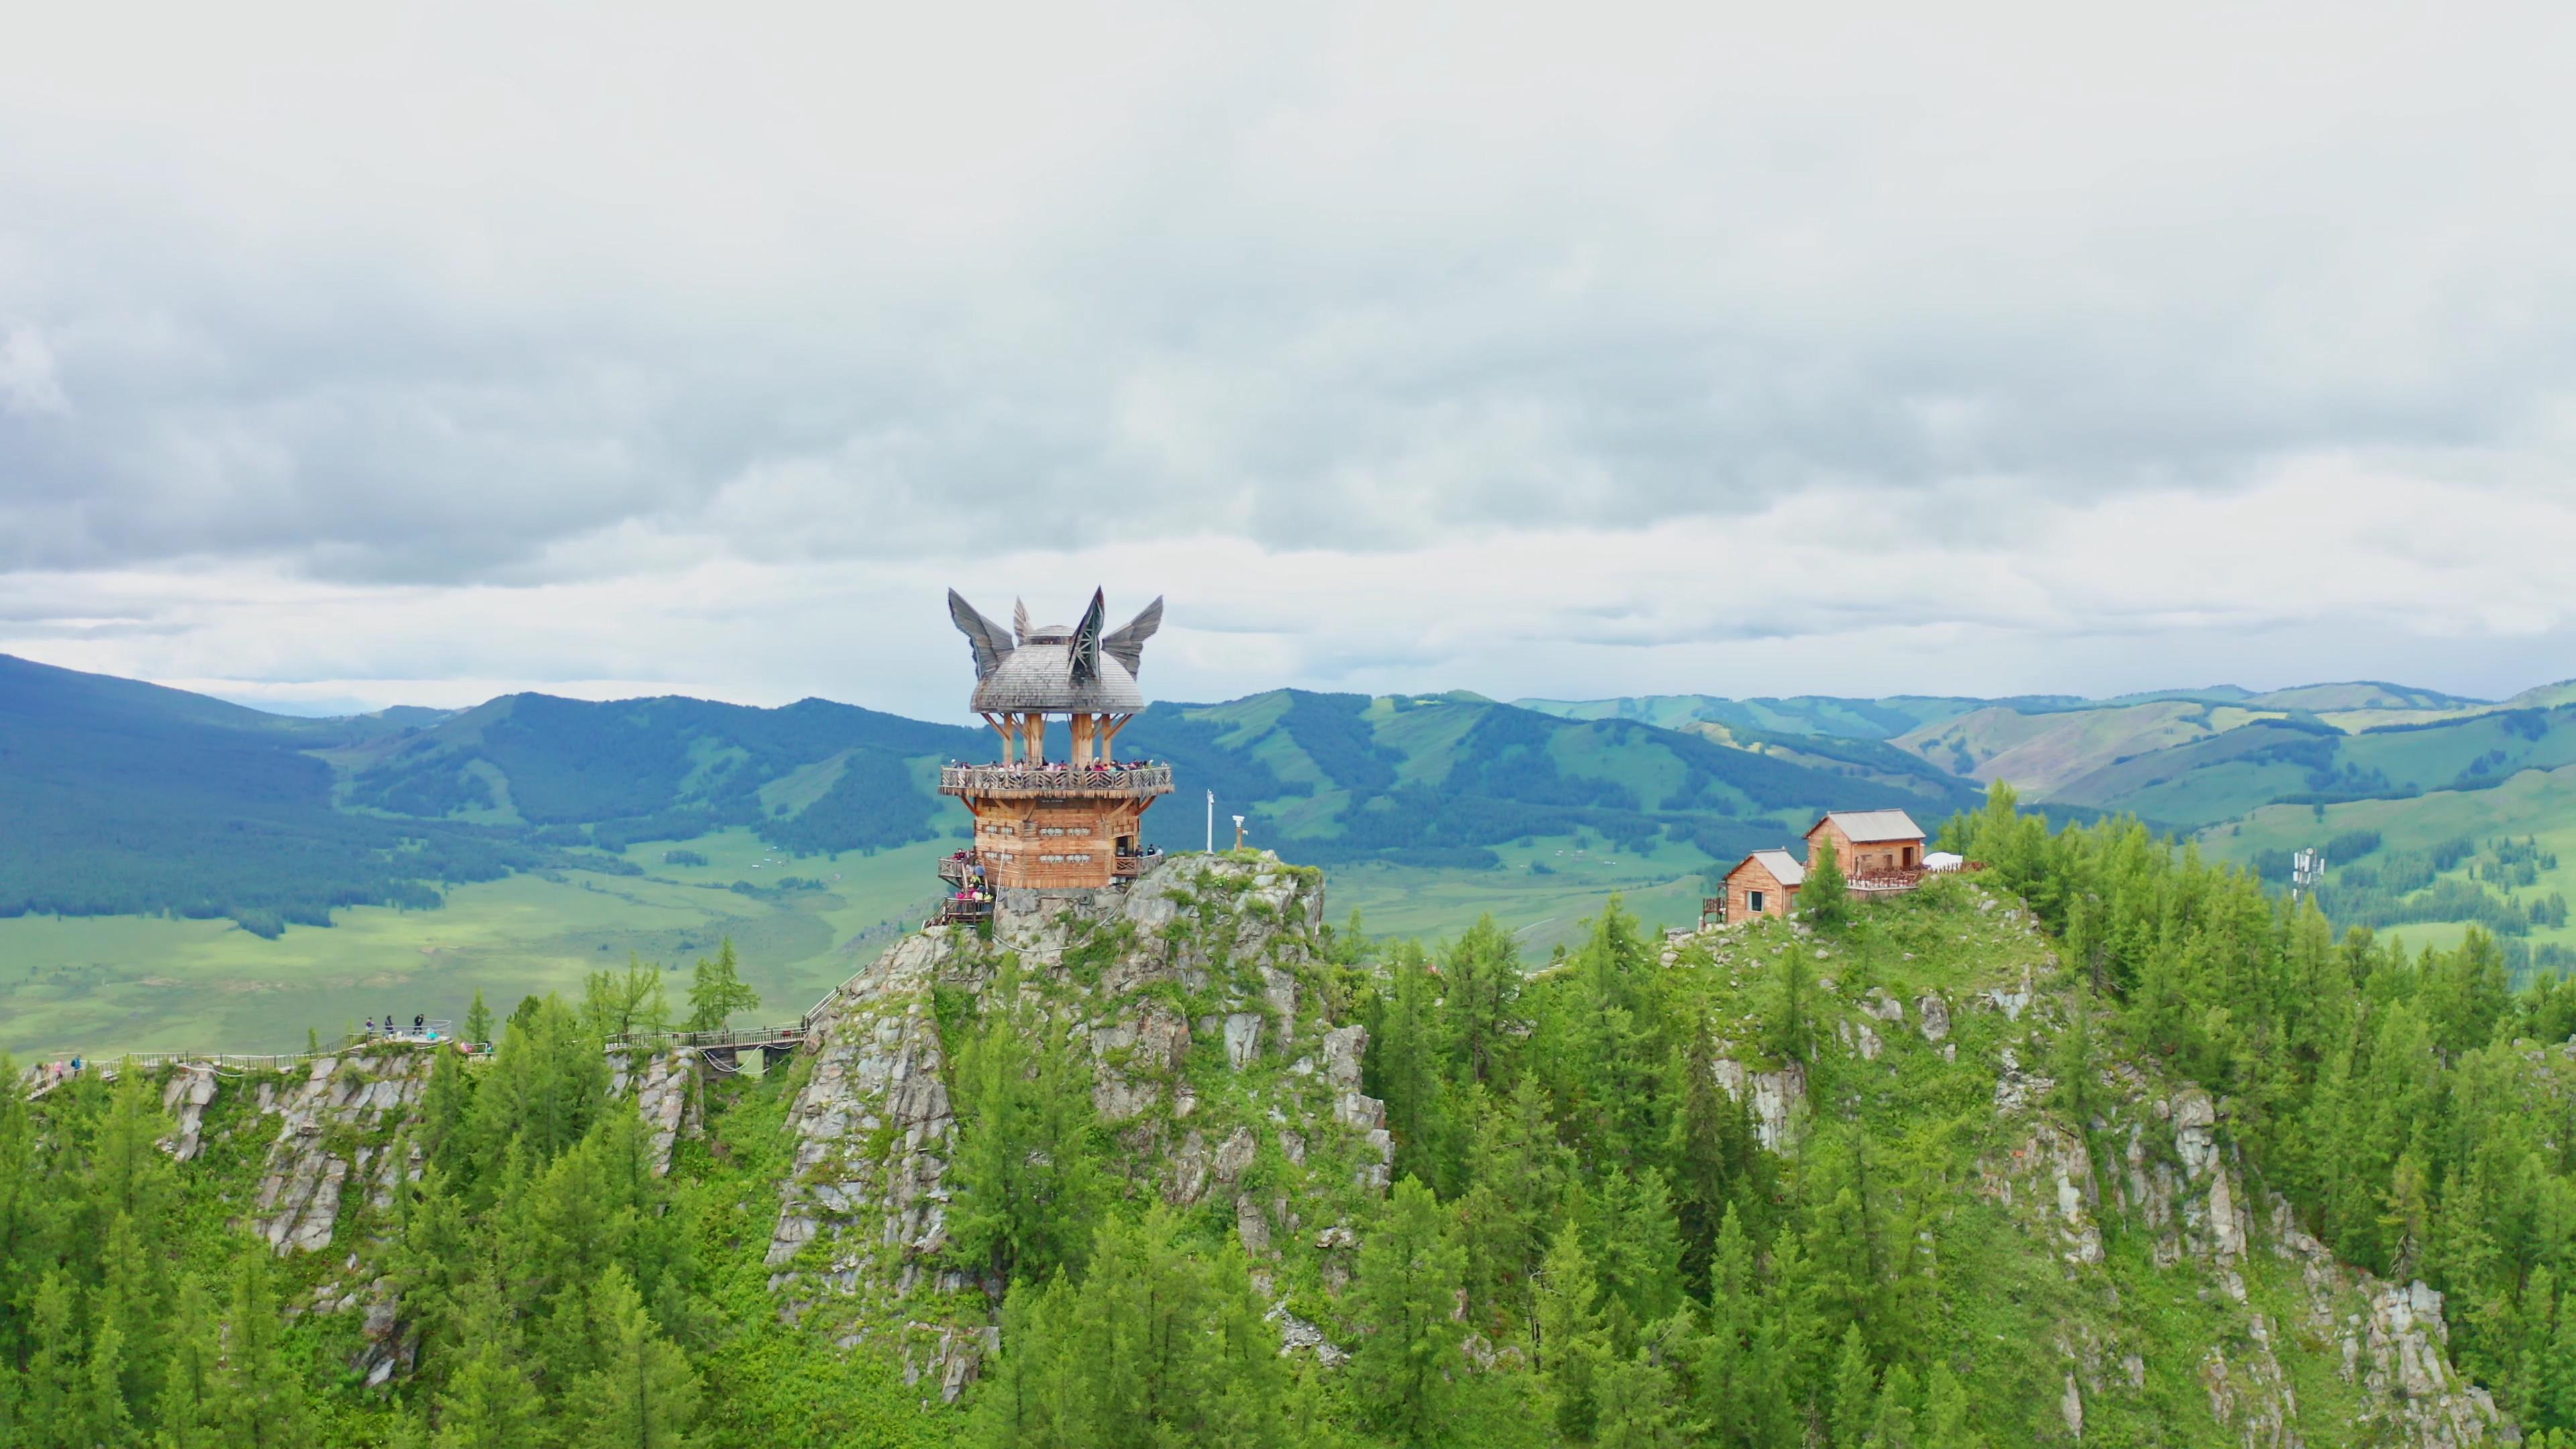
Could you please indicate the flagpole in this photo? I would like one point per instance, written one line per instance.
(1211, 838)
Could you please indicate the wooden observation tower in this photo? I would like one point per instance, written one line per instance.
(1046, 825)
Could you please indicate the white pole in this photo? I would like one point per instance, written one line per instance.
(1211, 841)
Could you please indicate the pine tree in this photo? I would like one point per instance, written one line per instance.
(1824, 897)
(1638, 1248)
(489, 1402)
(1567, 1338)
(1637, 1406)
(262, 1404)
(1894, 1424)
(191, 1380)
(1855, 1406)
(1403, 1068)
(1409, 1276)
(718, 991)
(107, 1422)
(644, 1394)
(128, 1173)
(1788, 1012)
(1026, 1184)
(625, 1003)
(1945, 1411)
(1713, 1149)
(1725, 1396)
(53, 1382)
(1481, 979)
(478, 1021)
(130, 1301)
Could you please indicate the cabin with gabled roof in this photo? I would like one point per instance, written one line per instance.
(1880, 851)
(1869, 842)
(1764, 883)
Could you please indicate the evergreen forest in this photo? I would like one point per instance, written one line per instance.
(2102, 1141)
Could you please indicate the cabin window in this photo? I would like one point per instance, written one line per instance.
(1753, 902)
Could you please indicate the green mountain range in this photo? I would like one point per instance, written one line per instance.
(134, 799)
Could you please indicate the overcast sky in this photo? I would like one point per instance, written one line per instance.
(350, 358)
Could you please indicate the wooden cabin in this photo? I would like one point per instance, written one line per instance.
(1869, 842)
(1764, 883)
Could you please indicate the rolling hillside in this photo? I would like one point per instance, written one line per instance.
(140, 800)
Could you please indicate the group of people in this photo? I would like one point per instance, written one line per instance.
(420, 1028)
(973, 886)
(1058, 767)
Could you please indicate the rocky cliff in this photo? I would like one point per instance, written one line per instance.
(1217, 1059)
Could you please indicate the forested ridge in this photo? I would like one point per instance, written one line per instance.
(1765, 1186)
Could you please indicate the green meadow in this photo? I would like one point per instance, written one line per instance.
(102, 985)
(108, 984)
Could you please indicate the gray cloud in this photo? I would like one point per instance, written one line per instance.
(394, 307)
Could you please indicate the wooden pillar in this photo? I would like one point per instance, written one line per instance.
(1004, 731)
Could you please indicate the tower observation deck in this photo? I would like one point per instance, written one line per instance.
(1052, 825)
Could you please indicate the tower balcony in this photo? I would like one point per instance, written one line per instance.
(1056, 781)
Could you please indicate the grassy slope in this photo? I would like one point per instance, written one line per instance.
(2538, 803)
(2039, 752)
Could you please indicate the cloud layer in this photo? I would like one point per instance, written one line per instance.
(364, 358)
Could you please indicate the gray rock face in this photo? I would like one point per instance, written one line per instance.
(1776, 1096)
(2391, 1338)
(190, 1090)
(298, 1203)
(862, 1224)
(665, 1096)
(1242, 1039)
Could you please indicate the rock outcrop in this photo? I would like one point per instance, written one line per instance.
(1189, 995)
(338, 1124)
(665, 1094)
(190, 1090)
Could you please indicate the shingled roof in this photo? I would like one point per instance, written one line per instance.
(1783, 866)
(1869, 827)
(1050, 669)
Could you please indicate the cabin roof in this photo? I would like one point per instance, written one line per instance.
(1783, 866)
(1869, 827)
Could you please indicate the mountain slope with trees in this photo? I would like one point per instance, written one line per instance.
(2103, 1144)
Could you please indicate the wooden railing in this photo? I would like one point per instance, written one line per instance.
(1131, 865)
(1055, 780)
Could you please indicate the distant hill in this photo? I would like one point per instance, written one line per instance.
(2040, 752)
(128, 798)
(1443, 781)
(2307, 762)
(1805, 714)
(813, 775)
(2360, 695)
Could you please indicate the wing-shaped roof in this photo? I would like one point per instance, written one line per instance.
(991, 643)
(1040, 676)
(1869, 827)
(1050, 669)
